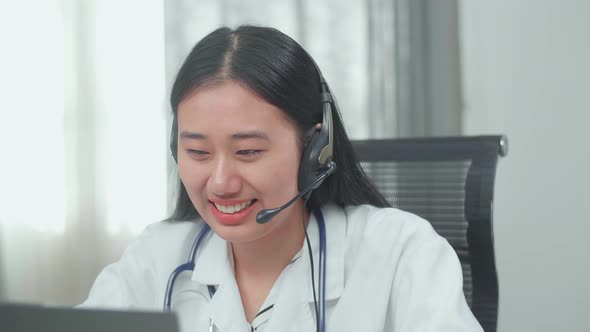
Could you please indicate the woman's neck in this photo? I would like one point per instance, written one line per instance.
(269, 255)
(258, 264)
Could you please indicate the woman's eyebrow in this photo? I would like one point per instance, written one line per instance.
(253, 134)
(191, 135)
(249, 135)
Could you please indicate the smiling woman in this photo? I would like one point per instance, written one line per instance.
(240, 147)
(256, 126)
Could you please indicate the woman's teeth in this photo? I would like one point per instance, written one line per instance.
(232, 208)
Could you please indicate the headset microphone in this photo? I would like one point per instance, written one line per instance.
(265, 216)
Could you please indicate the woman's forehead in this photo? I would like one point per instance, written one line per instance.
(230, 106)
(228, 93)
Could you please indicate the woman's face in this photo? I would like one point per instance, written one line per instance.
(237, 155)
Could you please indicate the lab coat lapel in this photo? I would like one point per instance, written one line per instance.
(226, 309)
(292, 311)
(213, 267)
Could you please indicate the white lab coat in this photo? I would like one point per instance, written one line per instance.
(387, 270)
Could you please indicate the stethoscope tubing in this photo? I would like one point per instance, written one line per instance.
(188, 266)
(322, 264)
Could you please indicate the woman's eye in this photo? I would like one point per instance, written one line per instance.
(198, 153)
(248, 153)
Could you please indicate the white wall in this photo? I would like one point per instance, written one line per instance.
(526, 73)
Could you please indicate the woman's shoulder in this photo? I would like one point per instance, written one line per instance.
(388, 233)
(410, 264)
(171, 228)
(136, 279)
(388, 222)
(170, 232)
(163, 242)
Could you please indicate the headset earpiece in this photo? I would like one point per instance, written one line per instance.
(319, 149)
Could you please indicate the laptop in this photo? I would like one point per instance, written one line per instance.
(29, 318)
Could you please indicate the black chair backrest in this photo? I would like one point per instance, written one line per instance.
(449, 181)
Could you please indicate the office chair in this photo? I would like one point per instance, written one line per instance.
(448, 181)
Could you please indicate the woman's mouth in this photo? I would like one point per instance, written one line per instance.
(231, 213)
(230, 209)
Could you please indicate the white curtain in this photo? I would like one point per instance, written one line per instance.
(82, 140)
(84, 117)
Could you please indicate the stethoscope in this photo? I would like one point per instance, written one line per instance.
(190, 266)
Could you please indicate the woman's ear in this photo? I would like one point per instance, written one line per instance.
(311, 131)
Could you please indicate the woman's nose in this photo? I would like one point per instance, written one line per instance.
(224, 179)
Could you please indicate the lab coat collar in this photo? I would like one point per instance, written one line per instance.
(213, 267)
(213, 263)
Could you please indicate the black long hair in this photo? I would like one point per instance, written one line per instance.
(276, 68)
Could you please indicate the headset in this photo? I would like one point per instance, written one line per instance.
(316, 165)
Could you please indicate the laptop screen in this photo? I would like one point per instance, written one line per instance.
(28, 318)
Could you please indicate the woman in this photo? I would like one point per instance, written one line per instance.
(254, 126)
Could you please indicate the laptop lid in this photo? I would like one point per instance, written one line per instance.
(29, 318)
